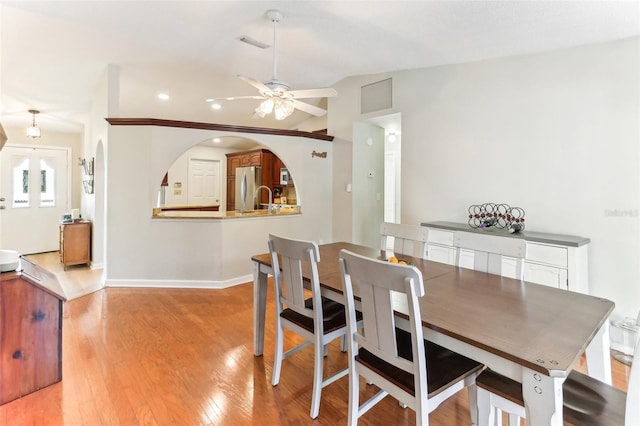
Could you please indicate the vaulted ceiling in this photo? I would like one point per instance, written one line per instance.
(53, 53)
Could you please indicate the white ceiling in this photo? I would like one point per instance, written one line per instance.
(53, 53)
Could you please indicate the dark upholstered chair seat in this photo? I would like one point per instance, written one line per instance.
(587, 401)
(333, 316)
(444, 367)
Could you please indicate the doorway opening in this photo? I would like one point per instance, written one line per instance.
(376, 176)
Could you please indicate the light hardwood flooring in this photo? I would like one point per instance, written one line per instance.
(185, 357)
(76, 281)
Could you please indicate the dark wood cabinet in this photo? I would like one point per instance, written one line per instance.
(262, 158)
(75, 243)
(270, 172)
(30, 331)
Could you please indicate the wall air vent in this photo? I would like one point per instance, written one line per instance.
(253, 42)
(375, 96)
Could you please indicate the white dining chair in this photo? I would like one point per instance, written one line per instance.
(410, 240)
(587, 401)
(298, 313)
(419, 374)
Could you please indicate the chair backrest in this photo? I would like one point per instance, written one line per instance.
(382, 287)
(632, 408)
(289, 258)
(410, 240)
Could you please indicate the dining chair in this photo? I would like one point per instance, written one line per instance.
(587, 401)
(299, 313)
(419, 374)
(410, 240)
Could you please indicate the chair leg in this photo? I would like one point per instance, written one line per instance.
(277, 362)
(318, 361)
(486, 413)
(514, 420)
(343, 343)
(354, 395)
(472, 391)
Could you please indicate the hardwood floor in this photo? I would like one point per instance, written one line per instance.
(185, 357)
(76, 281)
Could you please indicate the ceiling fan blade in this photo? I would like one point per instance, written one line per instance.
(312, 93)
(235, 98)
(257, 84)
(309, 109)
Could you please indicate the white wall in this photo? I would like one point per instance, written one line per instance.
(155, 252)
(555, 133)
(105, 105)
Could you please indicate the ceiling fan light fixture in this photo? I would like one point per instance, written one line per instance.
(259, 112)
(33, 131)
(266, 106)
(282, 110)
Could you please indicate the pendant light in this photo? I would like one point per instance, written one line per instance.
(33, 131)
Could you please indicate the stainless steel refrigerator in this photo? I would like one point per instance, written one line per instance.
(247, 180)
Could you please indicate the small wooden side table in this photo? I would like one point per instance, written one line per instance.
(75, 243)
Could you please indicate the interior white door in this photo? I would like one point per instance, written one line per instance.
(204, 182)
(34, 194)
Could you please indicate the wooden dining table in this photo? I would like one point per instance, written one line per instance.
(531, 333)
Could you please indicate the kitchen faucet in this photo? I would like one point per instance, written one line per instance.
(270, 196)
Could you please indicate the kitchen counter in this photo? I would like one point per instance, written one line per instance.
(200, 214)
(209, 207)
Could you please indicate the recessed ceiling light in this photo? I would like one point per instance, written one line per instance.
(216, 105)
(216, 140)
(163, 96)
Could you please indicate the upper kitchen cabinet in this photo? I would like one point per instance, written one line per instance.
(281, 175)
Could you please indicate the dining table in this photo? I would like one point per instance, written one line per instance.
(531, 333)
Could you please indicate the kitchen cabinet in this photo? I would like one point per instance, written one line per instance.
(555, 260)
(75, 243)
(278, 165)
(270, 166)
(30, 331)
(262, 158)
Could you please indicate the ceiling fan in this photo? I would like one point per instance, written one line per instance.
(276, 94)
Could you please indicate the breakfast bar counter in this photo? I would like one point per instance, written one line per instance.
(196, 214)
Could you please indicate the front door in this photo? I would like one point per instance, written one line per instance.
(34, 194)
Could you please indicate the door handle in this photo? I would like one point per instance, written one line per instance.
(2, 207)
(2, 198)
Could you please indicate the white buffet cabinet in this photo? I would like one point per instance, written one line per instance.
(555, 260)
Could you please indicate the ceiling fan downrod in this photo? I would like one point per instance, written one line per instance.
(275, 16)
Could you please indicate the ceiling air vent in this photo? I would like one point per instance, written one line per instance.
(253, 42)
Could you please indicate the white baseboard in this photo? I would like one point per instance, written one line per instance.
(179, 283)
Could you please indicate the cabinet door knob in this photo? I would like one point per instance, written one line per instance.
(2, 198)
